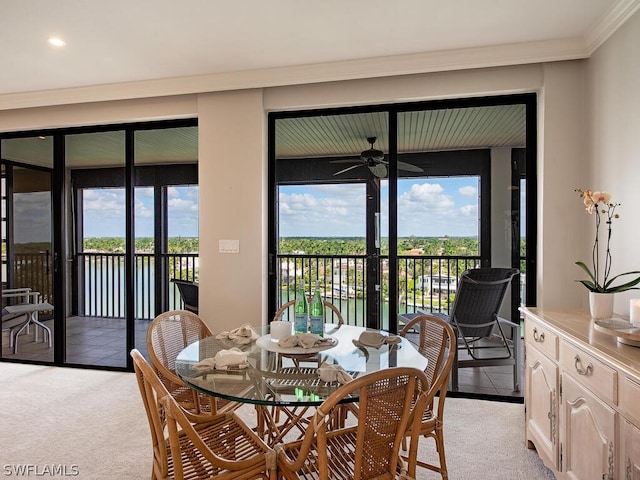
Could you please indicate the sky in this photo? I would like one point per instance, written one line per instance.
(426, 208)
(104, 212)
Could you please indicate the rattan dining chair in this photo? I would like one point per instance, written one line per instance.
(205, 446)
(436, 341)
(168, 334)
(370, 448)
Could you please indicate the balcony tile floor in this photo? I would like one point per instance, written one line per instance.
(101, 342)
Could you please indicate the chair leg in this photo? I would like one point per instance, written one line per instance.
(454, 371)
(440, 448)
(517, 347)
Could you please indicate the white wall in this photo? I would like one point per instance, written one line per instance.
(561, 169)
(232, 179)
(99, 113)
(612, 141)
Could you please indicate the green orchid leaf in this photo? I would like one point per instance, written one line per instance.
(587, 271)
(590, 286)
(631, 285)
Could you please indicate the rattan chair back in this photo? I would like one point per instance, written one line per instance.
(150, 387)
(203, 447)
(371, 448)
(436, 340)
(168, 334)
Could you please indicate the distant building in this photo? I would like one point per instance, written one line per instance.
(437, 284)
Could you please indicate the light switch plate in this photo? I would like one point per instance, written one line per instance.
(229, 246)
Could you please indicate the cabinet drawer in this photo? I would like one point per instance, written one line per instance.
(628, 394)
(589, 371)
(541, 338)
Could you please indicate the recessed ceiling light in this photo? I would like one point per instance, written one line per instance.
(57, 42)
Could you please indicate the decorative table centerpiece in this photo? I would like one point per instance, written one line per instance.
(601, 292)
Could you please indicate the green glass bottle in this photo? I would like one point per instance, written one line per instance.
(316, 313)
(301, 311)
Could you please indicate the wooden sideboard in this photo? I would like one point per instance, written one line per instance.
(582, 397)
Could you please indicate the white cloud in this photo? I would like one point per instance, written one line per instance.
(327, 210)
(426, 198)
(469, 211)
(468, 191)
(104, 212)
(427, 209)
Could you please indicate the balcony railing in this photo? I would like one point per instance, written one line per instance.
(102, 275)
(423, 281)
(427, 282)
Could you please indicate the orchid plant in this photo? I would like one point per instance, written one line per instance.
(600, 206)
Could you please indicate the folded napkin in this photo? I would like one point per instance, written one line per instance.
(304, 340)
(333, 373)
(241, 335)
(375, 339)
(234, 357)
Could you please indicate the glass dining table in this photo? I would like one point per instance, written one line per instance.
(286, 380)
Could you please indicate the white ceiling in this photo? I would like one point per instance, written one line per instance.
(119, 41)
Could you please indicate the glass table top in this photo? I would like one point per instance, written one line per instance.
(276, 377)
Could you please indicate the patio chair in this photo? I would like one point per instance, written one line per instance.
(479, 329)
(435, 340)
(15, 323)
(204, 447)
(168, 334)
(370, 448)
(189, 294)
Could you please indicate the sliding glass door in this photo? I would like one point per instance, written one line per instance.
(97, 220)
(328, 204)
(27, 247)
(386, 206)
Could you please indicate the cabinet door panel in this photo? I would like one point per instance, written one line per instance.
(631, 451)
(589, 434)
(542, 405)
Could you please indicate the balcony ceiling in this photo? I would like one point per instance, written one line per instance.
(307, 137)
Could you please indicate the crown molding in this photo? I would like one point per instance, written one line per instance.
(599, 32)
(410, 64)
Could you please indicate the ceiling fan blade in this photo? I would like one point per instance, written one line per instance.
(347, 160)
(379, 170)
(409, 167)
(348, 168)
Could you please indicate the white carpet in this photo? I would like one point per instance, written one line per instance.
(93, 423)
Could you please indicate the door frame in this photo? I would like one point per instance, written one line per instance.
(529, 100)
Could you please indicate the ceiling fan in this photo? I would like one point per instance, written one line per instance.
(374, 160)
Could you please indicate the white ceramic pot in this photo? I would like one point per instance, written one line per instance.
(601, 305)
